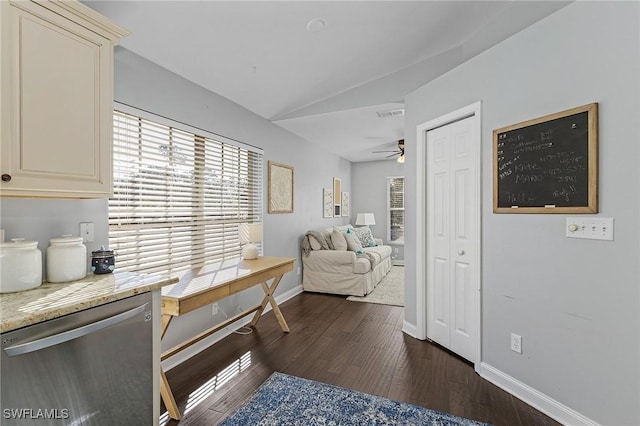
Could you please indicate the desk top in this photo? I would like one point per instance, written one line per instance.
(214, 281)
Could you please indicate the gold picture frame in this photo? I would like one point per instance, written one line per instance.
(337, 197)
(280, 194)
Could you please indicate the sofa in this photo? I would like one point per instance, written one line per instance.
(354, 270)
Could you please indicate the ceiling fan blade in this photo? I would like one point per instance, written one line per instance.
(392, 155)
(376, 152)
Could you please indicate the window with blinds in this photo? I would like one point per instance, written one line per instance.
(395, 216)
(178, 196)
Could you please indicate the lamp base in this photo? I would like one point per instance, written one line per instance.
(250, 251)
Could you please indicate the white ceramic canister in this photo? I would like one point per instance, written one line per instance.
(20, 265)
(66, 259)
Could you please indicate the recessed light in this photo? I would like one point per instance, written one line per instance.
(316, 25)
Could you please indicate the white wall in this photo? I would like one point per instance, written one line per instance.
(369, 195)
(576, 303)
(40, 220)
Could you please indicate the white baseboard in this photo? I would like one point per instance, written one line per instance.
(534, 398)
(410, 329)
(191, 351)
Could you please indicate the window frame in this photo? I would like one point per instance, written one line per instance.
(389, 209)
(198, 243)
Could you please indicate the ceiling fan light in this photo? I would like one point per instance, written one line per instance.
(401, 159)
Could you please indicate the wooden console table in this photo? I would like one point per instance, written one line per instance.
(210, 283)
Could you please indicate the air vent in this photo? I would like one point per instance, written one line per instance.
(391, 113)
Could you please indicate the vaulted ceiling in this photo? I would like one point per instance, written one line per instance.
(320, 69)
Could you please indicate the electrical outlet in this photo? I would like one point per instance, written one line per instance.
(214, 309)
(516, 343)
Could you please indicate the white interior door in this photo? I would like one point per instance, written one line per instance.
(452, 210)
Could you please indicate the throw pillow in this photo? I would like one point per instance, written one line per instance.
(338, 240)
(315, 244)
(353, 243)
(365, 236)
(343, 228)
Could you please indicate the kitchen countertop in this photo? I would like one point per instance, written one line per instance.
(53, 300)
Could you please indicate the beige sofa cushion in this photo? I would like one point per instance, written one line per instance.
(378, 253)
(361, 266)
(338, 240)
(315, 244)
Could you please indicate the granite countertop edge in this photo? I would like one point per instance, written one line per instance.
(50, 301)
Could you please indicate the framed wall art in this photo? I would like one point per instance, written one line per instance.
(327, 199)
(280, 188)
(345, 204)
(337, 197)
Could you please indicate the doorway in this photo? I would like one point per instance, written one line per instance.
(448, 246)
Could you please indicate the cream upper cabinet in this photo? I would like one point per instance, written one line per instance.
(57, 100)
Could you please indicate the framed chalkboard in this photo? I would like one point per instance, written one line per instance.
(548, 165)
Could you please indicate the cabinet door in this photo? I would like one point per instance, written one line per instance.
(60, 107)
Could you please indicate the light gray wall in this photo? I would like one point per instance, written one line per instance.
(576, 303)
(146, 86)
(38, 219)
(369, 195)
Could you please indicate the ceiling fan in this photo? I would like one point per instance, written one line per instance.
(399, 152)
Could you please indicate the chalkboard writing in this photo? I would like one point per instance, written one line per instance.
(547, 165)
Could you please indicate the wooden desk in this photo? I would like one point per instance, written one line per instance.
(210, 283)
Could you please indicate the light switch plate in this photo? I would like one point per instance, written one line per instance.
(592, 228)
(87, 232)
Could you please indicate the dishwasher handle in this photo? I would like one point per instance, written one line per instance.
(45, 342)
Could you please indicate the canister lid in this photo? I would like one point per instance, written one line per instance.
(66, 239)
(19, 243)
(102, 252)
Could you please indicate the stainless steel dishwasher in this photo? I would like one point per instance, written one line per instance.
(93, 367)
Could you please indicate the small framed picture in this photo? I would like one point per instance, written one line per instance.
(327, 199)
(345, 204)
(280, 188)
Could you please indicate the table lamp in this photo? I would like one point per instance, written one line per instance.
(250, 234)
(365, 219)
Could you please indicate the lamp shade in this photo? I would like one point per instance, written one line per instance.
(250, 232)
(365, 219)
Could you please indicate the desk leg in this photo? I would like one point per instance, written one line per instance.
(165, 390)
(268, 298)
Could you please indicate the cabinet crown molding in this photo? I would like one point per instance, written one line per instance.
(75, 10)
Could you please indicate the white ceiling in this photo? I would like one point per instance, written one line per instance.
(325, 86)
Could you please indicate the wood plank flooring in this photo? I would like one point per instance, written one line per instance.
(358, 346)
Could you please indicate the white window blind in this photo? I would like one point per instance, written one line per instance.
(178, 196)
(395, 203)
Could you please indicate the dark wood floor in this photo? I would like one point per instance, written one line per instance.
(354, 345)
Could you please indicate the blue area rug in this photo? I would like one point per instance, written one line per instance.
(290, 400)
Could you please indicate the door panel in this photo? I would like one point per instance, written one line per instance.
(462, 208)
(451, 208)
(441, 301)
(441, 207)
